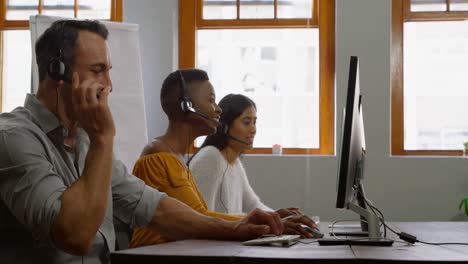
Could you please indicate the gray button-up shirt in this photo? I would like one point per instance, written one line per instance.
(35, 169)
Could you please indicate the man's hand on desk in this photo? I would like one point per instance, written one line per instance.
(257, 223)
(293, 225)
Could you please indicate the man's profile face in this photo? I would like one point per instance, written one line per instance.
(92, 60)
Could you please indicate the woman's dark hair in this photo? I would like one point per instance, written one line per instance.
(232, 105)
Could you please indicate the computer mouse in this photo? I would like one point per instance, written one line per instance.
(315, 232)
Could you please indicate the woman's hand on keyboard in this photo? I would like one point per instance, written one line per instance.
(285, 212)
(293, 225)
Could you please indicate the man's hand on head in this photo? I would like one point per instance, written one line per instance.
(91, 108)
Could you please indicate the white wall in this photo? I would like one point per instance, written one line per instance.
(158, 22)
(405, 188)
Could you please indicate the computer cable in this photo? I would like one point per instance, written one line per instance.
(188, 151)
(381, 218)
(332, 226)
(410, 238)
(221, 184)
(339, 221)
(221, 187)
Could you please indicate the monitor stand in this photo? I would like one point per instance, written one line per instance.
(373, 236)
(372, 226)
(369, 221)
(362, 228)
(350, 229)
(348, 232)
(345, 226)
(371, 229)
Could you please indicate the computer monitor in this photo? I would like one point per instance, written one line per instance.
(350, 192)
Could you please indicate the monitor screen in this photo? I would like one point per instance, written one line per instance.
(350, 193)
(353, 147)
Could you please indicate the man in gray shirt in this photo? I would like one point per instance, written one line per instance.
(60, 187)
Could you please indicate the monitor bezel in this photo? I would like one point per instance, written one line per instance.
(344, 194)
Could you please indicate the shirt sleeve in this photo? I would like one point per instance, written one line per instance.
(29, 185)
(250, 199)
(134, 202)
(207, 172)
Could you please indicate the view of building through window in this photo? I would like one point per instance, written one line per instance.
(17, 73)
(435, 94)
(278, 69)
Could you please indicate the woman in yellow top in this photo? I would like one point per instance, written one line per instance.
(188, 99)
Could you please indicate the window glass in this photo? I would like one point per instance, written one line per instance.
(257, 9)
(295, 9)
(435, 78)
(219, 9)
(21, 9)
(278, 69)
(459, 5)
(17, 74)
(62, 8)
(92, 9)
(428, 5)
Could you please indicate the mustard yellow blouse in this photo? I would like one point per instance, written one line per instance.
(165, 172)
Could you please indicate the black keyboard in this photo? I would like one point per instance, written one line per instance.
(379, 242)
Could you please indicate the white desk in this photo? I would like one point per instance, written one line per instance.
(210, 251)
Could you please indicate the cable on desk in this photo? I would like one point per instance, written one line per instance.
(408, 237)
(438, 244)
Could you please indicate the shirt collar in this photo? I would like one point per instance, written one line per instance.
(45, 119)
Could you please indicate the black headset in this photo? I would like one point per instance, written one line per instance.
(186, 106)
(56, 68)
(186, 101)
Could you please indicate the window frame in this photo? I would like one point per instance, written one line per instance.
(401, 13)
(116, 13)
(323, 17)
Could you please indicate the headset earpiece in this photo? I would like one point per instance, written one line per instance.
(56, 68)
(186, 106)
(186, 101)
(224, 128)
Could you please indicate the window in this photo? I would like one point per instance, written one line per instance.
(280, 53)
(429, 77)
(15, 41)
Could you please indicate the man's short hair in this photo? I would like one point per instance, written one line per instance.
(171, 91)
(59, 40)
